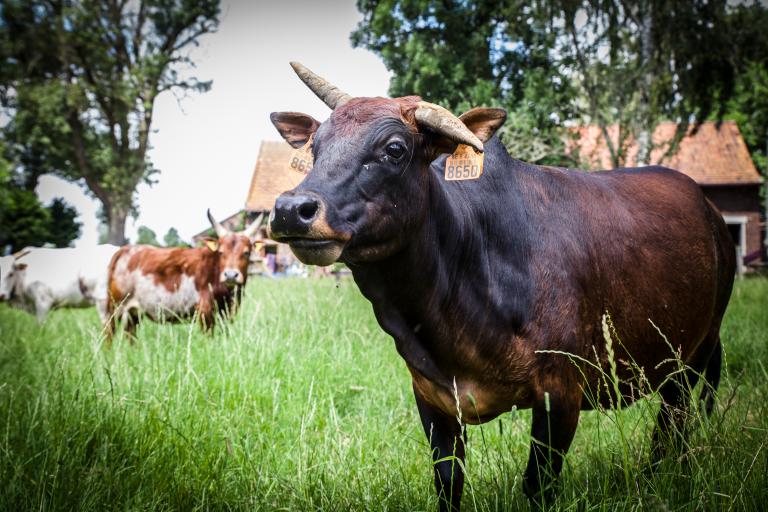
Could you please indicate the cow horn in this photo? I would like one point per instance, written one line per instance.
(253, 227)
(442, 121)
(218, 228)
(329, 93)
(20, 254)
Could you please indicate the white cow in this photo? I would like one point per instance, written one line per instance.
(45, 278)
(7, 272)
(6, 264)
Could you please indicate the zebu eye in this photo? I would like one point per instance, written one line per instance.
(395, 150)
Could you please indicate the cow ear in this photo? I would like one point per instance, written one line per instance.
(20, 266)
(295, 127)
(212, 244)
(484, 122)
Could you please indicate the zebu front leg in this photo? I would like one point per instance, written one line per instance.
(446, 440)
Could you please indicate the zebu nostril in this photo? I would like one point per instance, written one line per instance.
(294, 214)
(308, 210)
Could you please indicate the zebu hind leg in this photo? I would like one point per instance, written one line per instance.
(712, 377)
(555, 418)
(131, 320)
(676, 394)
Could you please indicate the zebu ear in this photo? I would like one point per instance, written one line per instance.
(212, 244)
(473, 128)
(20, 266)
(484, 122)
(295, 127)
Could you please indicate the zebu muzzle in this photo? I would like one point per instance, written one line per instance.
(300, 221)
(231, 278)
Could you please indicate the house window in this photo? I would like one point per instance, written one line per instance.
(737, 226)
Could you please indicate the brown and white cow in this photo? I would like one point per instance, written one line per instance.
(175, 284)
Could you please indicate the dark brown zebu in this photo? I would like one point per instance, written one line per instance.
(485, 283)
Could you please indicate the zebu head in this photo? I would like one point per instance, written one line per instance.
(233, 250)
(368, 188)
(12, 272)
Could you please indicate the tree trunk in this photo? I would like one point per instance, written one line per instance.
(644, 141)
(116, 218)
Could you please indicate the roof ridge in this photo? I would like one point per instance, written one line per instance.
(715, 155)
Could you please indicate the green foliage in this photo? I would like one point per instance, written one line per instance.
(173, 239)
(80, 82)
(146, 236)
(632, 64)
(272, 413)
(467, 54)
(63, 228)
(24, 221)
(749, 108)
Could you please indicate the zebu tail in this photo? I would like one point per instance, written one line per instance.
(110, 309)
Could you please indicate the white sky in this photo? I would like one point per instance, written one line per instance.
(205, 146)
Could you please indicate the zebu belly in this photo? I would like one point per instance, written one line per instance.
(161, 301)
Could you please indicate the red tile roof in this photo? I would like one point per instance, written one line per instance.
(714, 155)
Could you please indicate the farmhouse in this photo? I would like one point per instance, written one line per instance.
(716, 157)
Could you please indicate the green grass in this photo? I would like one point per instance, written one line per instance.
(302, 403)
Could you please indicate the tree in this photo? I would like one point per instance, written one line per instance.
(80, 83)
(146, 236)
(172, 239)
(748, 105)
(466, 54)
(643, 61)
(24, 221)
(63, 227)
(630, 63)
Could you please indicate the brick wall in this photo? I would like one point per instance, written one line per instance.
(740, 200)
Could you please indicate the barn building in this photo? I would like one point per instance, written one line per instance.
(717, 158)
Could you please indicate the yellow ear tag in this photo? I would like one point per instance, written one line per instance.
(464, 164)
(301, 158)
(213, 245)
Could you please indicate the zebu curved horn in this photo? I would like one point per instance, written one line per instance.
(329, 93)
(253, 227)
(427, 114)
(218, 228)
(20, 254)
(444, 122)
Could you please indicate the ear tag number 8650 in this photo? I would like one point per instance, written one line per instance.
(464, 164)
(301, 158)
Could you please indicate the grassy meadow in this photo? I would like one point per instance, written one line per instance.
(302, 403)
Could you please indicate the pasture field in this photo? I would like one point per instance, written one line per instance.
(302, 403)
